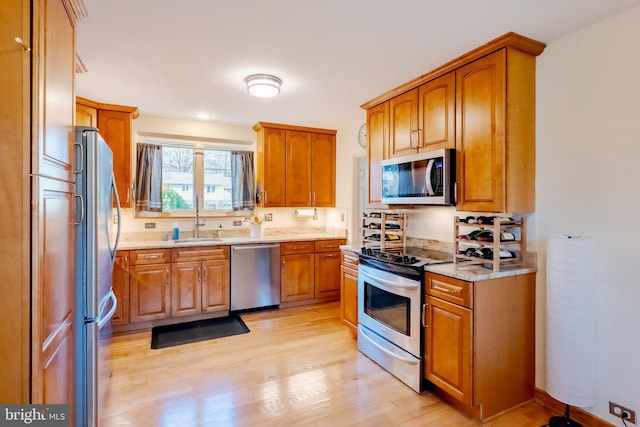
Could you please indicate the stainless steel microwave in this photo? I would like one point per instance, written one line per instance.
(425, 178)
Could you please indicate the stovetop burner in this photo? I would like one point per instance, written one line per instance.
(415, 257)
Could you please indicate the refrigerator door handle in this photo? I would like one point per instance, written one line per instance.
(114, 189)
(103, 319)
(81, 199)
(81, 157)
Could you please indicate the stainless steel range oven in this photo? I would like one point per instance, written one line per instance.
(390, 294)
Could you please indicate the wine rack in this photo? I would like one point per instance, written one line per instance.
(502, 253)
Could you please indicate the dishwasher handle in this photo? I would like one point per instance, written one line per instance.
(247, 247)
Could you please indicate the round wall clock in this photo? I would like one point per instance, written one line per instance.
(362, 136)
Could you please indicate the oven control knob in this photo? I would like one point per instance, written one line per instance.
(414, 260)
(405, 259)
(363, 250)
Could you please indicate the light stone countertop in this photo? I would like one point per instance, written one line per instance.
(469, 273)
(267, 238)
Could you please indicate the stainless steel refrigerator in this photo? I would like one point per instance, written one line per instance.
(96, 245)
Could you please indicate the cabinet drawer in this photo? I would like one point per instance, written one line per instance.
(149, 256)
(200, 253)
(291, 248)
(449, 289)
(350, 260)
(329, 245)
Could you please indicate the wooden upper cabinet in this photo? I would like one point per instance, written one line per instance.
(298, 169)
(270, 168)
(436, 113)
(403, 124)
(495, 136)
(114, 125)
(377, 151)
(323, 170)
(483, 104)
(86, 116)
(296, 166)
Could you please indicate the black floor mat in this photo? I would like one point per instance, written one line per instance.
(200, 330)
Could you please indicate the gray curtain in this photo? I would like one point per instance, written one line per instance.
(242, 181)
(149, 178)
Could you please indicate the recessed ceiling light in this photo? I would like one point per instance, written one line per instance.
(263, 85)
(203, 116)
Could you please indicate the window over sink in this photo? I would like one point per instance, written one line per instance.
(189, 170)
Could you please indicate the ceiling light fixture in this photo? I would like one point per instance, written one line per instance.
(263, 85)
(203, 116)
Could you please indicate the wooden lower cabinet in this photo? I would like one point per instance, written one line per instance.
(479, 341)
(349, 290)
(199, 287)
(327, 269)
(120, 285)
(149, 284)
(149, 287)
(297, 277)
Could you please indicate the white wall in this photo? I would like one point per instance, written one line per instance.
(588, 150)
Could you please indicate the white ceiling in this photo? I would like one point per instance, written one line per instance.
(175, 58)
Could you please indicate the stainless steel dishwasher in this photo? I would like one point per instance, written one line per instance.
(255, 276)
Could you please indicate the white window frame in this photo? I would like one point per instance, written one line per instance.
(198, 145)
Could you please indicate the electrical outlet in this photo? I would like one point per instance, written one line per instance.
(619, 410)
(237, 223)
(149, 225)
(268, 217)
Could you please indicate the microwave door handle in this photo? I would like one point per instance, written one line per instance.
(430, 164)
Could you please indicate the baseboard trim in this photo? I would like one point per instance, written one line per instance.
(583, 417)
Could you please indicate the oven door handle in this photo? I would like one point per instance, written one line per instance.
(388, 282)
(385, 351)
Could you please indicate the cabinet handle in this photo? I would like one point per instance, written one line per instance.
(204, 276)
(150, 256)
(309, 197)
(125, 261)
(441, 289)
(424, 315)
(314, 198)
(199, 273)
(168, 277)
(264, 200)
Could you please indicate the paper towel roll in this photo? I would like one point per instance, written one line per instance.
(570, 324)
(304, 213)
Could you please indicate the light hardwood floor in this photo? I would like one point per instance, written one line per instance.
(297, 366)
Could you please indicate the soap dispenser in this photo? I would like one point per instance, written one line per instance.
(220, 230)
(176, 231)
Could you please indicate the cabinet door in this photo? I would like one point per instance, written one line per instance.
(149, 291)
(185, 288)
(115, 128)
(54, 42)
(349, 297)
(437, 113)
(403, 123)
(447, 347)
(215, 285)
(86, 116)
(53, 281)
(272, 167)
(327, 275)
(377, 151)
(323, 170)
(298, 169)
(297, 276)
(120, 285)
(480, 134)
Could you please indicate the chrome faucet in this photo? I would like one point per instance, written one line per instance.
(197, 223)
